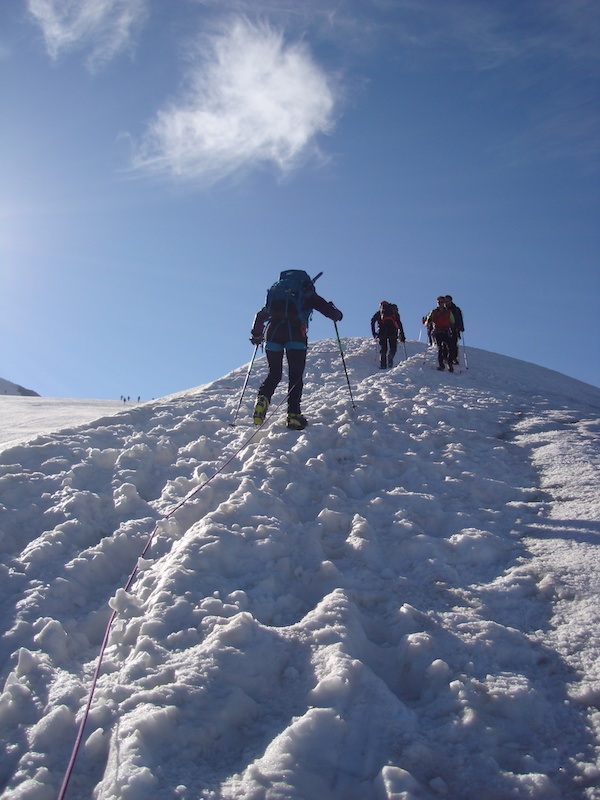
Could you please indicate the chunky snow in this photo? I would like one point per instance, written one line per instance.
(398, 603)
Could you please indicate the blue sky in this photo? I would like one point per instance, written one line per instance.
(162, 162)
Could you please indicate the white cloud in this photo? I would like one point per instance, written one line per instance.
(251, 99)
(105, 27)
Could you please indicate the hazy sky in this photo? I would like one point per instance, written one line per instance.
(161, 162)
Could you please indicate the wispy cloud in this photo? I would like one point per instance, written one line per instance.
(544, 50)
(104, 27)
(471, 33)
(251, 99)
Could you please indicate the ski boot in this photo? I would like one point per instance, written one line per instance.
(260, 409)
(296, 422)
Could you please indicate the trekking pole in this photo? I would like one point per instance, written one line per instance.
(232, 423)
(404, 346)
(377, 350)
(426, 352)
(465, 351)
(344, 363)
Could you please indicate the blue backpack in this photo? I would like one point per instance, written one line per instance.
(287, 298)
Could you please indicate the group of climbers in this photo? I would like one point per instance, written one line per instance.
(281, 325)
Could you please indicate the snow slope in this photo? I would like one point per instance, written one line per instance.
(9, 388)
(24, 418)
(399, 602)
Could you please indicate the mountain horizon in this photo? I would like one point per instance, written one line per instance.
(10, 388)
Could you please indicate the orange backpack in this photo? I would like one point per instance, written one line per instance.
(441, 318)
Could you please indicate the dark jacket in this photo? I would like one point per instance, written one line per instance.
(283, 331)
(458, 318)
(388, 326)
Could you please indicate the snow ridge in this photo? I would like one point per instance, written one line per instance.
(368, 610)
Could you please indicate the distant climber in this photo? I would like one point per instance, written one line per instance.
(441, 322)
(458, 328)
(386, 327)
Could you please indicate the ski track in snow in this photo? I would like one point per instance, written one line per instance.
(398, 602)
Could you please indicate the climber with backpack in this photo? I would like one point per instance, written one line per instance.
(286, 314)
(387, 328)
(459, 327)
(441, 322)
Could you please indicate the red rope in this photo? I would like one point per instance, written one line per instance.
(130, 580)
